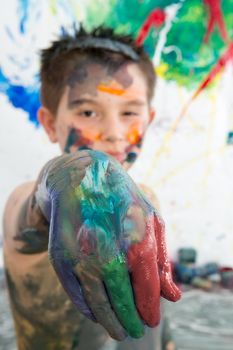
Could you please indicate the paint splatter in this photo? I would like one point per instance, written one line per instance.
(215, 19)
(23, 14)
(155, 19)
(25, 98)
(186, 64)
(77, 140)
(110, 89)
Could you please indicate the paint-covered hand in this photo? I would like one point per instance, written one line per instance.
(107, 243)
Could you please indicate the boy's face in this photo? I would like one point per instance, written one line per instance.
(102, 110)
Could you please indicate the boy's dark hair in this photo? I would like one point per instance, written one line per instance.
(101, 45)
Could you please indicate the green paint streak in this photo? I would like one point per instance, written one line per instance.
(118, 285)
(97, 12)
(187, 33)
(53, 7)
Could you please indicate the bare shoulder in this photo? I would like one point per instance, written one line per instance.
(150, 194)
(19, 192)
(14, 205)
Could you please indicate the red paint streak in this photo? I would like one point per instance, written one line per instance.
(224, 59)
(215, 19)
(155, 19)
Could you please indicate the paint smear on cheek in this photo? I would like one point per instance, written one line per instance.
(78, 140)
(135, 133)
(134, 137)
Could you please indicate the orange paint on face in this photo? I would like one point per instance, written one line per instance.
(135, 134)
(92, 136)
(111, 88)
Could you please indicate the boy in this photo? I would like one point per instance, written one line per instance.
(96, 90)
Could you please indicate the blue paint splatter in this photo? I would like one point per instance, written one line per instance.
(230, 138)
(23, 12)
(20, 96)
(25, 97)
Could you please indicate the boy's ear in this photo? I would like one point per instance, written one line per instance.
(47, 120)
(152, 115)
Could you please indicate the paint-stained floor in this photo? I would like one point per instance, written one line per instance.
(200, 321)
(7, 337)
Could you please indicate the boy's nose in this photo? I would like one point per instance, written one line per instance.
(113, 129)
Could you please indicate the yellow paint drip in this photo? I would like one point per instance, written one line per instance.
(161, 69)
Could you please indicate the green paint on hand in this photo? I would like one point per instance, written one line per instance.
(118, 285)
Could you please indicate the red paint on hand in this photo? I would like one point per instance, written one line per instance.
(169, 290)
(142, 260)
(151, 272)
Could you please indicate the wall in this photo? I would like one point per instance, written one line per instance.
(188, 165)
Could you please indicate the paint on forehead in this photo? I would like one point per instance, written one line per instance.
(78, 75)
(123, 76)
(112, 89)
(86, 77)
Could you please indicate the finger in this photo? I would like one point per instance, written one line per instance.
(98, 301)
(72, 286)
(169, 290)
(142, 260)
(61, 258)
(118, 285)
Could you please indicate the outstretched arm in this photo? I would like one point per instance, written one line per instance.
(105, 243)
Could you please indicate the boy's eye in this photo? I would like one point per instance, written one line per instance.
(88, 113)
(129, 113)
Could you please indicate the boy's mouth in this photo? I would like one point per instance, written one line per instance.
(119, 156)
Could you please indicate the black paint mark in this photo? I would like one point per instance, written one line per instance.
(31, 285)
(131, 157)
(34, 241)
(88, 74)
